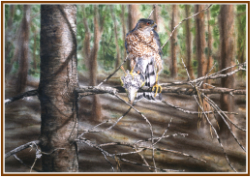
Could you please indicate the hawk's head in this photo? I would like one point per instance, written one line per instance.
(145, 24)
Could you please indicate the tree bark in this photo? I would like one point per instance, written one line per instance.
(24, 50)
(200, 41)
(189, 44)
(118, 60)
(133, 17)
(58, 80)
(174, 41)
(226, 21)
(209, 45)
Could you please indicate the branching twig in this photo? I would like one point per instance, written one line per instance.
(20, 148)
(215, 132)
(183, 21)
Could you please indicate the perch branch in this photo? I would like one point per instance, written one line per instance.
(23, 95)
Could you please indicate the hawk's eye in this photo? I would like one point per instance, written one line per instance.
(148, 23)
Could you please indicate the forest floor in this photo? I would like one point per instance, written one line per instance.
(22, 125)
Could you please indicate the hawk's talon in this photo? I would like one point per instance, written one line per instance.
(157, 87)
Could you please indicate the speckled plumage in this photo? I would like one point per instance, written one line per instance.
(144, 52)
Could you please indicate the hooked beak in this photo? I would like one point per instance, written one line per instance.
(154, 25)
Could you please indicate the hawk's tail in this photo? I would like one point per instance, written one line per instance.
(150, 79)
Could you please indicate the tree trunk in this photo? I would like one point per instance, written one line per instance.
(174, 41)
(200, 41)
(226, 21)
(189, 44)
(96, 106)
(133, 17)
(58, 80)
(118, 60)
(156, 16)
(123, 30)
(209, 46)
(24, 50)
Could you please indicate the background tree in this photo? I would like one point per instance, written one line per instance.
(56, 89)
(24, 50)
(226, 21)
(209, 45)
(189, 43)
(91, 56)
(174, 22)
(118, 60)
(133, 17)
(200, 41)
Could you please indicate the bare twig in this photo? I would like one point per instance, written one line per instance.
(20, 148)
(105, 80)
(183, 21)
(194, 112)
(216, 134)
(21, 96)
(152, 11)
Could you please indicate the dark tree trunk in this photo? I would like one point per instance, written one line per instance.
(226, 21)
(56, 90)
(24, 50)
(133, 17)
(174, 42)
(118, 60)
(189, 44)
(200, 41)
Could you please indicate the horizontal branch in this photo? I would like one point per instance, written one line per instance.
(90, 90)
(216, 75)
(21, 96)
(20, 148)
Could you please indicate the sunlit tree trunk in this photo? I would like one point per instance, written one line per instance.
(200, 41)
(56, 90)
(96, 106)
(118, 60)
(226, 21)
(24, 50)
(133, 17)
(174, 42)
(189, 43)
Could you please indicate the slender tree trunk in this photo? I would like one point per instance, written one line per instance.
(118, 60)
(156, 16)
(34, 50)
(200, 41)
(96, 106)
(189, 44)
(174, 41)
(133, 17)
(123, 30)
(226, 21)
(241, 41)
(56, 90)
(24, 50)
(209, 46)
